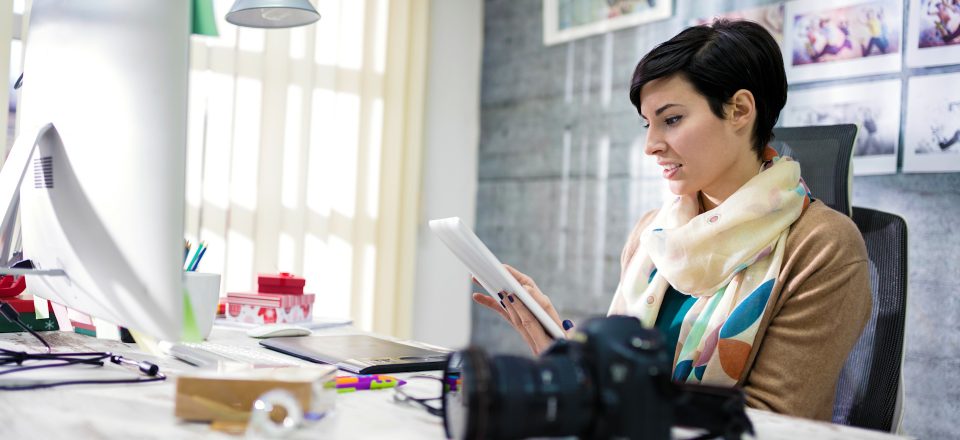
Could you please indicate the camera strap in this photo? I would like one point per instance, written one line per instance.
(718, 410)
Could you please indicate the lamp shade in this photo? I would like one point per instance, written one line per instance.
(272, 13)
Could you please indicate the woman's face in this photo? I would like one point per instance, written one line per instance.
(696, 150)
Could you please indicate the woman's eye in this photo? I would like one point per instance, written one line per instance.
(672, 120)
(645, 124)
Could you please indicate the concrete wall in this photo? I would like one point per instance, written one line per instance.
(449, 188)
(562, 180)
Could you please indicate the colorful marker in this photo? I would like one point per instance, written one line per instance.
(347, 384)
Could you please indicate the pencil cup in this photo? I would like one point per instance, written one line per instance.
(203, 289)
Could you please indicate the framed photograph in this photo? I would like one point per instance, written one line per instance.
(873, 106)
(841, 38)
(565, 20)
(933, 37)
(769, 16)
(932, 133)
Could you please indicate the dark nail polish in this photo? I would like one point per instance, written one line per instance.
(503, 305)
(500, 294)
(510, 298)
(567, 324)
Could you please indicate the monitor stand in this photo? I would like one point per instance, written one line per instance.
(11, 177)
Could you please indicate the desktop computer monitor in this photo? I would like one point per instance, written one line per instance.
(102, 193)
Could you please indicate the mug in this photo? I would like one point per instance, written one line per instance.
(203, 289)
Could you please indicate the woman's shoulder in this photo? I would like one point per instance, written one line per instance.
(643, 222)
(633, 240)
(826, 233)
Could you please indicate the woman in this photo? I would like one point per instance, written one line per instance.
(754, 284)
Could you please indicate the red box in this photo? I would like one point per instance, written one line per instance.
(281, 290)
(24, 304)
(284, 283)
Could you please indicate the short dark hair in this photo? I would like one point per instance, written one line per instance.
(719, 59)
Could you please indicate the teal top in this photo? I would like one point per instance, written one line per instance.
(674, 307)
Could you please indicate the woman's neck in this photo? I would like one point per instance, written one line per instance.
(739, 175)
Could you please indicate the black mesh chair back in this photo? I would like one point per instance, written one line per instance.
(869, 382)
(824, 154)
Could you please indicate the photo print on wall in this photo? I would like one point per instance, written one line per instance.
(769, 16)
(873, 106)
(933, 124)
(827, 39)
(565, 20)
(933, 36)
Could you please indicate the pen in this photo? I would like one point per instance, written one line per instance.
(196, 255)
(199, 257)
(347, 384)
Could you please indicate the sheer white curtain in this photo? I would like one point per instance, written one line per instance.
(304, 155)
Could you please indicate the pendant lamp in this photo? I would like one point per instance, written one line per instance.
(272, 13)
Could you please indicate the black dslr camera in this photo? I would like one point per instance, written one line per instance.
(610, 380)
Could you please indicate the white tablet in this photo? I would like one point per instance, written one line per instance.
(487, 269)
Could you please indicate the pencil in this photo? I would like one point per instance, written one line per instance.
(199, 257)
(196, 254)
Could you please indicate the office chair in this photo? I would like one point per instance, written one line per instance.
(869, 391)
(824, 154)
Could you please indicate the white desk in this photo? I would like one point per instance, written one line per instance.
(145, 411)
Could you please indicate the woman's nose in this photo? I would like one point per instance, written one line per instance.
(654, 145)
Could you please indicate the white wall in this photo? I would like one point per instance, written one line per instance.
(451, 138)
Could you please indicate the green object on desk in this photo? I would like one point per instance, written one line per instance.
(191, 333)
(204, 21)
(30, 319)
(85, 332)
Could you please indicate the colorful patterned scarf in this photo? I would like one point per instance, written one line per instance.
(728, 258)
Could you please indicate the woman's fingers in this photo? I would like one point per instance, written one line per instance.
(528, 325)
(545, 304)
(510, 303)
(509, 315)
(534, 291)
(519, 316)
(520, 276)
(543, 301)
(511, 310)
(492, 304)
(502, 308)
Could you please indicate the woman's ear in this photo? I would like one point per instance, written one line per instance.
(742, 110)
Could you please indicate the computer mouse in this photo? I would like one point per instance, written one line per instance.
(278, 330)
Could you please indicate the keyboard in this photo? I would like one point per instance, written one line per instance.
(209, 354)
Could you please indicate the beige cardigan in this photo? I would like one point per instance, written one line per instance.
(822, 302)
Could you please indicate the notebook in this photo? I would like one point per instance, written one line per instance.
(360, 354)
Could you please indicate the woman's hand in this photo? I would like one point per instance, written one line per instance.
(518, 315)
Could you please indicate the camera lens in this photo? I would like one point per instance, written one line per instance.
(514, 397)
